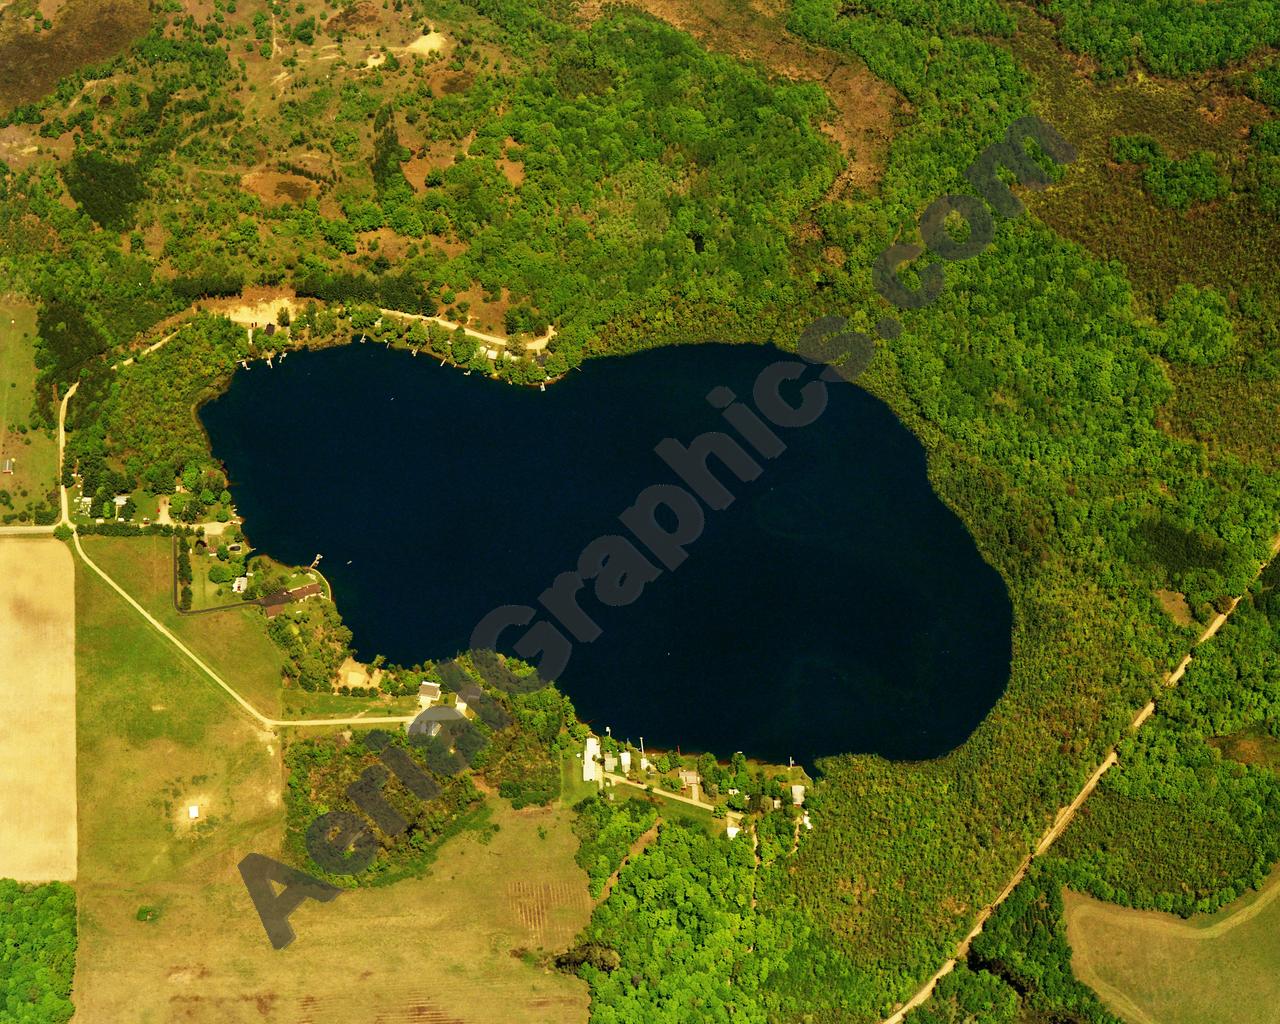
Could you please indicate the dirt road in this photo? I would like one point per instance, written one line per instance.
(1062, 819)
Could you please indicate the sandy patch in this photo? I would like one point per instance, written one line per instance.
(432, 42)
(352, 673)
(38, 728)
(255, 306)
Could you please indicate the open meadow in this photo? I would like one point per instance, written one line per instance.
(157, 738)
(234, 643)
(1153, 968)
(38, 729)
(34, 450)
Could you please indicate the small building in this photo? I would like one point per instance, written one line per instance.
(688, 777)
(428, 693)
(9, 466)
(644, 764)
(193, 812)
(806, 822)
(732, 831)
(469, 696)
(624, 759)
(610, 763)
(240, 584)
(797, 795)
(120, 500)
(590, 769)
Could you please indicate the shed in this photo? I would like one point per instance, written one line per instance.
(8, 465)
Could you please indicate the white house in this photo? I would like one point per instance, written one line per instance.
(732, 831)
(428, 693)
(240, 584)
(610, 763)
(625, 760)
(797, 794)
(590, 768)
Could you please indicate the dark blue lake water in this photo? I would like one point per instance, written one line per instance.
(836, 605)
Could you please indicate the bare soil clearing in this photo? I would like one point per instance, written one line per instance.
(38, 728)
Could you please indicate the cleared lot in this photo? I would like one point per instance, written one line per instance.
(38, 727)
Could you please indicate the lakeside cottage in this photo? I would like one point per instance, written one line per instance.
(240, 585)
(797, 795)
(428, 694)
(625, 760)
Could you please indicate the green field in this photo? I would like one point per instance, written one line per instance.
(234, 643)
(155, 737)
(1152, 968)
(33, 449)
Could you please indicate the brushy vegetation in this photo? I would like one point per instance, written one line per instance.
(1175, 183)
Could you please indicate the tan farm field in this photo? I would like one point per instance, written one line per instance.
(38, 727)
(1152, 968)
(445, 948)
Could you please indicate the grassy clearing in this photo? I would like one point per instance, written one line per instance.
(234, 642)
(443, 947)
(1150, 967)
(37, 689)
(572, 788)
(33, 449)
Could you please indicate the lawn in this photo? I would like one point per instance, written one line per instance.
(33, 449)
(443, 947)
(234, 643)
(1152, 968)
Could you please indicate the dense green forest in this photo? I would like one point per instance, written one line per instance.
(1178, 825)
(1082, 388)
(1171, 37)
(37, 952)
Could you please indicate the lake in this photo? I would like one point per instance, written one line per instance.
(836, 605)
